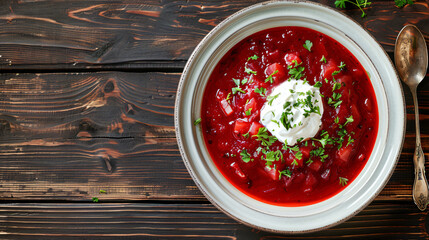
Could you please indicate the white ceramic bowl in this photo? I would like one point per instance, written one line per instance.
(388, 93)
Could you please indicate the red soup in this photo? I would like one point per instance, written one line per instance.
(250, 156)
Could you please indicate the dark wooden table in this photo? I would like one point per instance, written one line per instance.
(87, 92)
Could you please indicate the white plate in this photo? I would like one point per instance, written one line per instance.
(389, 97)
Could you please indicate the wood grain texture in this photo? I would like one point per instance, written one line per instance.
(65, 136)
(191, 221)
(86, 34)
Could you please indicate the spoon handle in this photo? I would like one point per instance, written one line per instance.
(420, 188)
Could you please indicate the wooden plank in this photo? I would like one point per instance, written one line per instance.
(194, 221)
(80, 34)
(65, 136)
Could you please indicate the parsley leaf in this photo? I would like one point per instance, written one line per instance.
(298, 155)
(318, 84)
(248, 112)
(285, 172)
(308, 44)
(402, 3)
(323, 59)
(261, 91)
(343, 181)
(196, 122)
(296, 72)
(102, 191)
(270, 78)
(237, 89)
(254, 57)
(270, 98)
(358, 3)
(264, 138)
(249, 71)
(245, 156)
(95, 199)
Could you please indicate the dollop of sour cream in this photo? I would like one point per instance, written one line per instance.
(293, 111)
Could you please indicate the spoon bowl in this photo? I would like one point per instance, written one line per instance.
(411, 59)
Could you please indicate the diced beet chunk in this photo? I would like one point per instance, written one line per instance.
(310, 180)
(315, 165)
(272, 172)
(251, 104)
(254, 128)
(329, 68)
(344, 153)
(238, 171)
(292, 59)
(226, 107)
(326, 174)
(241, 126)
(276, 70)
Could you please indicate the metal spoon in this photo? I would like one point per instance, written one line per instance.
(411, 59)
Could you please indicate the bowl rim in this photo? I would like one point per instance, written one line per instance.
(179, 97)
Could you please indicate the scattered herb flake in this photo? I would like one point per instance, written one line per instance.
(323, 59)
(249, 71)
(245, 156)
(343, 181)
(196, 122)
(254, 57)
(308, 44)
(95, 199)
(285, 172)
(261, 91)
(248, 112)
(270, 78)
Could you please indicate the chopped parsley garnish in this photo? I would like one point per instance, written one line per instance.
(342, 65)
(261, 91)
(244, 81)
(350, 140)
(336, 86)
(264, 138)
(323, 59)
(358, 3)
(237, 83)
(237, 89)
(337, 103)
(336, 72)
(343, 181)
(196, 122)
(402, 3)
(270, 98)
(246, 135)
(296, 72)
(228, 97)
(249, 71)
(95, 199)
(245, 156)
(298, 155)
(270, 78)
(318, 84)
(254, 57)
(348, 120)
(102, 191)
(295, 162)
(285, 172)
(337, 120)
(248, 112)
(272, 156)
(308, 44)
(320, 152)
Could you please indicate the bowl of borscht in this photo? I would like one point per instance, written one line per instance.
(290, 117)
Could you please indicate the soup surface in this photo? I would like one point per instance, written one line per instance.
(300, 169)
